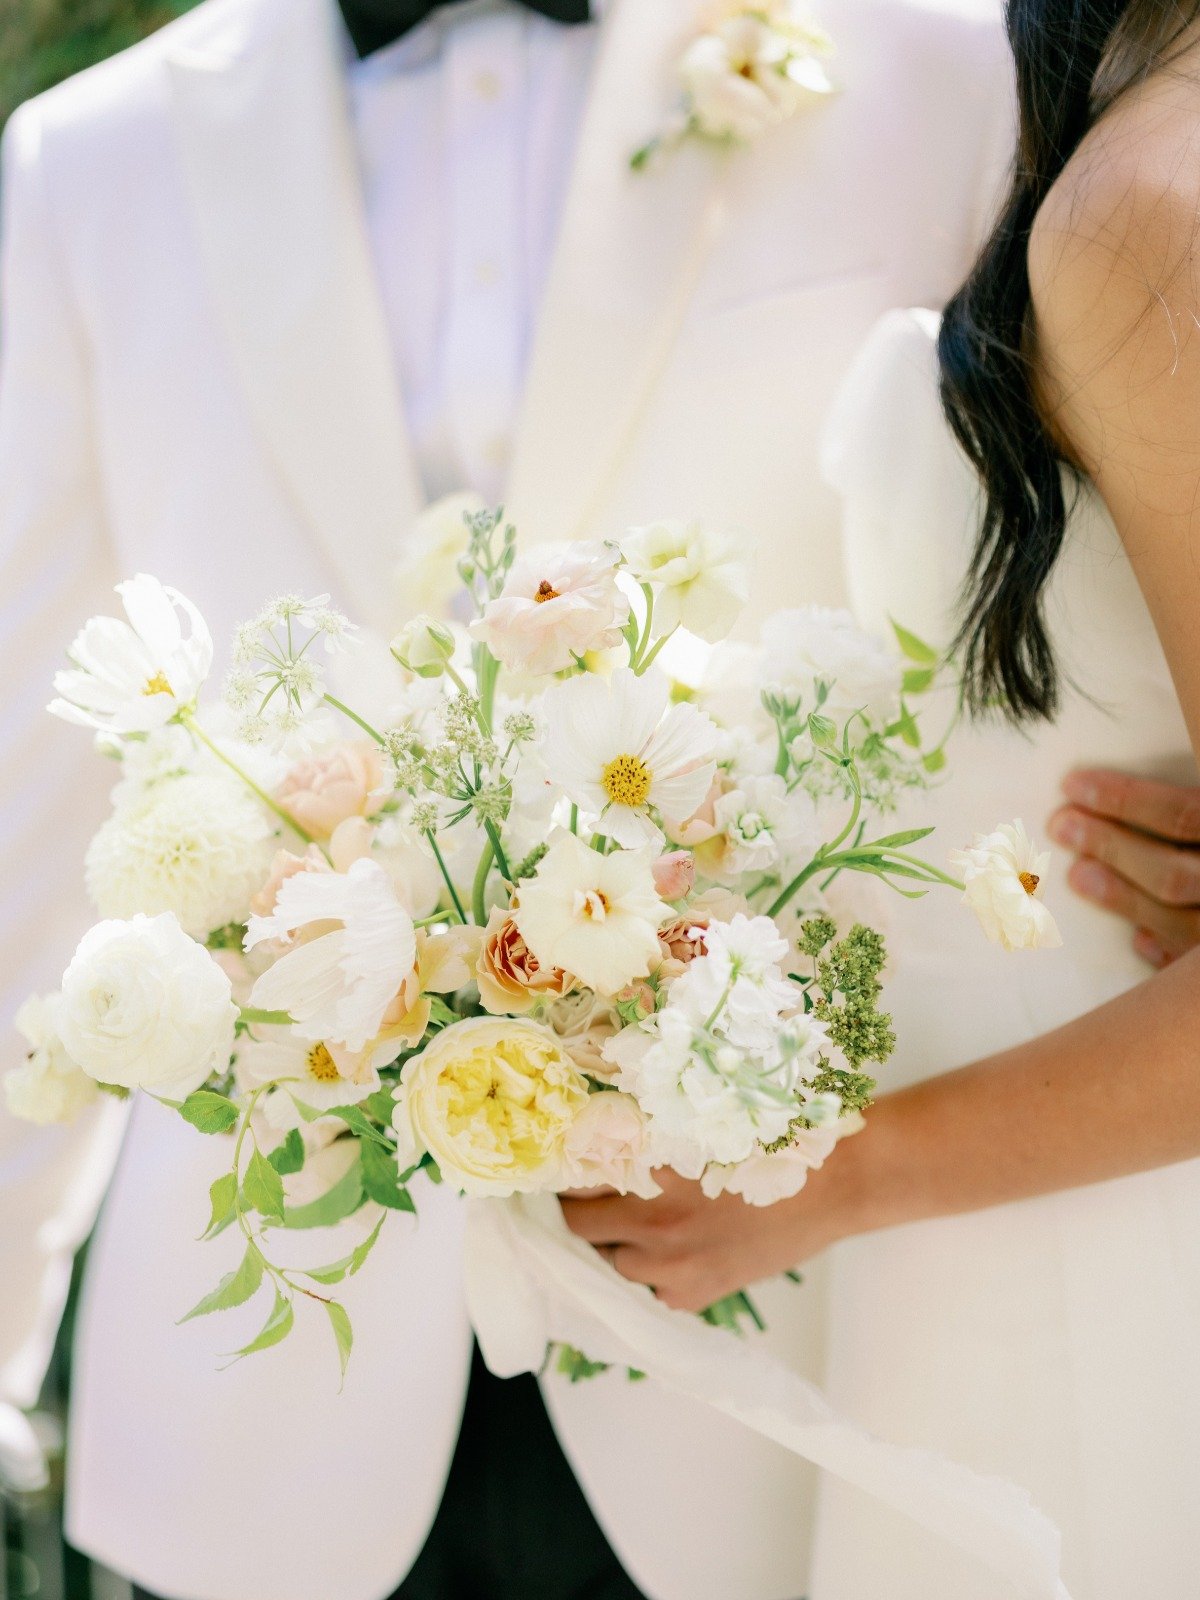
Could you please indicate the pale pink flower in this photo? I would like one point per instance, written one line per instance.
(325, 790)
(511, 982)
(556, 605)
(674, 875)
(607, 1146)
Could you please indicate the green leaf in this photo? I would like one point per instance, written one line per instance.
(342, 1200)
(348, 1265)
(915, 649)
(223, 1199)
(897, 841)
(906, 728)
(343, 1333)
(234, 1289)
(358, 1122)
(209, 1111)
(268, 1019)
(381, 1105)
(289, 1156)
(381, 1179)
(918, 679)
(276, 1328)
(573, 1364)
(262, 1187)
(934, 761)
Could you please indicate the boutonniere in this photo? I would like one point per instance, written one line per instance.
(752, 67)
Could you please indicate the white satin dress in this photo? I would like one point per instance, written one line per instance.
(1055, 1341)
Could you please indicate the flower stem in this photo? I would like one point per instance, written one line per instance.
(447, 879)
(479, 901)
(194, 728)
(354, 717)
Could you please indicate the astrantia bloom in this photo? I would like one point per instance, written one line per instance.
(339, 985)
(491, 1100)
(759, 824)
(146, 1007)
(49, 1086)
(595, 916)
(815, 645)
(700, 583)
(556, 605)
(198, 846)
(615, 748)
(134, 676)
(1003, 874)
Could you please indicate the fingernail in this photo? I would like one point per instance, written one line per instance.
(1089, 879)
(1068, 829)
(1148, 947)
(1081, 790)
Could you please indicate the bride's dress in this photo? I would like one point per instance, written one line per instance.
(1055, 1341)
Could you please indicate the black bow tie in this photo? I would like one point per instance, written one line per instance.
(375, 23)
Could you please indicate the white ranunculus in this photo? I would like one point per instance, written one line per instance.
(618, 750)
(427, 577)
(134, 676)
(700, 582)
(752, 71)
(146, 1007)
(594, 916)
(338, 984)
(813, 646)
(608, 1145)
(768, 1176)
(49, 1086)
(198, 846)
(1003, 874)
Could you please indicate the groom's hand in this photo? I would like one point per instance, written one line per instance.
(1138, 849)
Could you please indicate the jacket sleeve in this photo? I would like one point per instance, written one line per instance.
(56, 568)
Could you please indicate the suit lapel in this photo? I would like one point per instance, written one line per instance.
(270, 167)
(631, 249)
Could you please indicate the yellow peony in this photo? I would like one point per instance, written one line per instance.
(491, 1099)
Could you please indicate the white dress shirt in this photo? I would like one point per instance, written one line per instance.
(466, 130)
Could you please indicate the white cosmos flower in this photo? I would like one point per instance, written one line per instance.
(134, 676)
(1003, 874)
(198, 846)
(700, 582)
(49, 1086)
(315, 1074)
(594, 916)
(337, 985)
(617, 750)
(146, 1007)
(815, 645)
(556, 605)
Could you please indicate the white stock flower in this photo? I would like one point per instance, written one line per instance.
(608, 1145)
(594, 916)
(146, 1007)
(134, 676)
(1003, 873)
(336, 985)
(617, 750)
(767, 1176)
(753, 70)
(49, 1086)
(427, 577)
(556, 605)
(815, 645)
(198, 846)
(762, 825)
(700, 582)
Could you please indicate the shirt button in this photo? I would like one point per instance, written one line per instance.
(488, 85)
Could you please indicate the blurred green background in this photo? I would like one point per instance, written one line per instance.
(43, 41)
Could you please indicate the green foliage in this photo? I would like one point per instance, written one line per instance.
(44, 41)
(289, 1156)
(209, 1111)
(575, 1366)
(342, 1200)
(262, 1188)
(234, 1289)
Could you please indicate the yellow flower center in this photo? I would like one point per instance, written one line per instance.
(158, 684)
(545, 591)
(626, 781)
(1029, 882)
(321, 1065)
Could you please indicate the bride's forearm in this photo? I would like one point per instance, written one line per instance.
(1117, 1091)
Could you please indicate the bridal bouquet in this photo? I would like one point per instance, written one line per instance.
(546, 920)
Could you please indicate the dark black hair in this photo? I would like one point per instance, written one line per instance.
(1074, 59)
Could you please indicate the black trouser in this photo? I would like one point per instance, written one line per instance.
(513, 1523)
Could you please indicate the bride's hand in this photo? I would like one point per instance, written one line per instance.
(694, 1251)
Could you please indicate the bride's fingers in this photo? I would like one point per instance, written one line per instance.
(1168, 873)
(1173, 930)
(609, 1219)
(1159, 808)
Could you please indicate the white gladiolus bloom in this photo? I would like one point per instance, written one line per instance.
(198, 846)
(594, 916)
(1003, 874)
(556, 605)
(608, 1145)
(338, 984)
(427, 576)
(146, 1007)
(700, 582)
(134, 676)
(618, 751)
(763, 825)
(767, 1176)
(50, 1086)
(753, 71)
(815, 645)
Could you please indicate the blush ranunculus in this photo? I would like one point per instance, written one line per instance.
(325, 790)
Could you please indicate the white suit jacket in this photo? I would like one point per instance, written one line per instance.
(197, 383)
